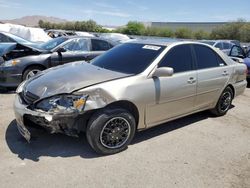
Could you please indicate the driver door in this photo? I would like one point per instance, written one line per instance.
(74, 50)
(175, 95)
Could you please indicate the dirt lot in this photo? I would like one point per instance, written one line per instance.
(196, 151)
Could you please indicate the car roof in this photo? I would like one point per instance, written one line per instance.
(165, 42)
(113, 42)
(222, 40)
(161, 42)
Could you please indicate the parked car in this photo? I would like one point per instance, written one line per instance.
(134, 86)
(238, 54)
(54, 33)
(21, 61)
(223, 45)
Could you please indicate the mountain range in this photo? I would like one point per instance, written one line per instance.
(32, 21)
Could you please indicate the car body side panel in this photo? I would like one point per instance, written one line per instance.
(175, 96)
(211, 82)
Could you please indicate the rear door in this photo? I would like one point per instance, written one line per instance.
(212, 76)
(75, 50)
(175, 95)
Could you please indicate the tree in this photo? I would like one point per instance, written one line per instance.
(134, 28)
(245, 33)
(229, 30)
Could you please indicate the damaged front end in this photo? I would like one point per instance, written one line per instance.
(63, 113)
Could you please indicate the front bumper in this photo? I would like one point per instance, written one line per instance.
(10, 76)
(69, 124)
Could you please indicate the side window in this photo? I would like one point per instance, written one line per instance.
(76, 45)
(226, 46)
(179, 58)
(100, 45)
(206, 57)
(219, 45)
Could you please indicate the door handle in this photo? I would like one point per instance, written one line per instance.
(225, 73)
(191, 80)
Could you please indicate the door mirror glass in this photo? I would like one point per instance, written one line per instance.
(163, 72)
(237, 51)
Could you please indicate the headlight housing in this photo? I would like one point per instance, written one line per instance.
(63, 103)
(20, 87)
(11, 63)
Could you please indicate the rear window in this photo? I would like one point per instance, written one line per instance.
(129, 58)
(206, 57)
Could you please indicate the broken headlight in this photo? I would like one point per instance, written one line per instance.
(63, 103)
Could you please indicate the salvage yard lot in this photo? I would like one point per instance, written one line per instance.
(196, 151)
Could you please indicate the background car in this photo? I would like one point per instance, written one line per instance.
(223, 45)
(238, 54)
(22, 61)
(136, 85)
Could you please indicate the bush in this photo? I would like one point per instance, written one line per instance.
(161, 32)
(201, 35)
(183, 33)
(228, 31)
(89, 26)
(134, 28)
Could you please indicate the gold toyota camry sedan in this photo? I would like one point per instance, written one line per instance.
(134, 86)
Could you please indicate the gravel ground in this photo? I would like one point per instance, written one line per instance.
(196, 151)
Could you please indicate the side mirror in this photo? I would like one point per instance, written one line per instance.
(163, 72)
(61, 49)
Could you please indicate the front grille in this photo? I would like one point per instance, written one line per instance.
(29, 97)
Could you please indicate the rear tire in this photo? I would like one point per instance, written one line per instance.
(31, 71)
(224, 103)
(109, 131)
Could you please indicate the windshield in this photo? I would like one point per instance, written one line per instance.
(53, 43)
(17, 38)
(208, 42)
(128, 58)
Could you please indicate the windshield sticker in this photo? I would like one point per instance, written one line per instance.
(151, 47)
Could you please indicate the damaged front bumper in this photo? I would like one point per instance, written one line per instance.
(70, 124)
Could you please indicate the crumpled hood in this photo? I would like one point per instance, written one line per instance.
(6, 48)
(68, 78)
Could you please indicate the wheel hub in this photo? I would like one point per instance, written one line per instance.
(225, 101)
(115, 133)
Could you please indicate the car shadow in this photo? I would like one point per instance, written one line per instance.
(7, 91)
(170, 126)
(59, 145)
(45, 144)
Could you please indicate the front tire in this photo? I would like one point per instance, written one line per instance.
(111, 130)
(224, 102)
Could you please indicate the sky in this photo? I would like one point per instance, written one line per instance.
(119, 12)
